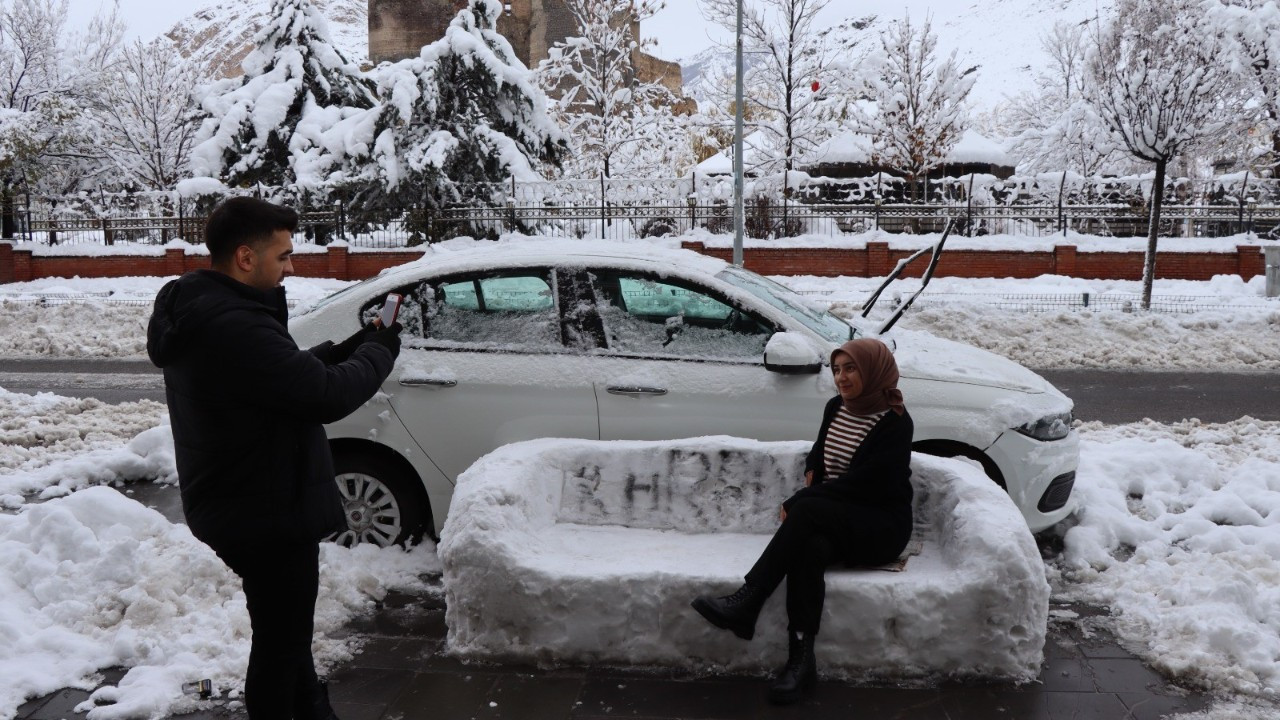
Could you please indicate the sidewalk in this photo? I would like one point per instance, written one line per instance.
(403, 674)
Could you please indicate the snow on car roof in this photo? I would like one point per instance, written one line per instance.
(466, 254)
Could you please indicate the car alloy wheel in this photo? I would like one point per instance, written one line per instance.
(372, 512)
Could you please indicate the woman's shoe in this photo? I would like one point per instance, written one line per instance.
(800, 675)
(736, 612)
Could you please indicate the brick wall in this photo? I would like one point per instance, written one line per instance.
(875, 260)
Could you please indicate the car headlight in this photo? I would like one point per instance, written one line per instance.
(1049, 427)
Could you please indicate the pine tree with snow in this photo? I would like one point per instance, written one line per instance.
(296, 86)
(920, 109)
(1159, 85)
(463, 115)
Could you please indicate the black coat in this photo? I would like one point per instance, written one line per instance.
(879, 473)
(247, 408)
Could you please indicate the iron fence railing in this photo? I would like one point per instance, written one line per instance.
(621, 220)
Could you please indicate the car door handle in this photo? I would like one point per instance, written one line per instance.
(419, 382)
(635, 390)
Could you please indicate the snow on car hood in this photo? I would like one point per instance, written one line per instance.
(924, 356)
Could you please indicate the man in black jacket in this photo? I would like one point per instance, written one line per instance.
(247, 408)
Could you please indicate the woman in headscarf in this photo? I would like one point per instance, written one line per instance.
(855, 508)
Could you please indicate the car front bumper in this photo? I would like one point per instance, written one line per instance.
(1038, 475)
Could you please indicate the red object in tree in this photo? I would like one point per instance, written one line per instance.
(815, 86)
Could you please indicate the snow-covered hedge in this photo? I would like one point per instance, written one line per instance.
(586, 551)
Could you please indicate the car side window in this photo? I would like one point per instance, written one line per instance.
(510, 310)
(651, 316)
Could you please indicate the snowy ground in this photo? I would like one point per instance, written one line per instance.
(1223, 324)
(1177, 537)
(91, 579)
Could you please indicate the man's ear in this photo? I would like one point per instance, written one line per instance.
(244, 258)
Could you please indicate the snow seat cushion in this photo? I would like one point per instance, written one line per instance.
(590, 552)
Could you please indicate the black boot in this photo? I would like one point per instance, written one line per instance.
(800, 675)
(736, 612)
(320, 709)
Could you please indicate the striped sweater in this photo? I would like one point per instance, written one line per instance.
(843, 438)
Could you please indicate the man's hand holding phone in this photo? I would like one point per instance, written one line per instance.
(390, 311)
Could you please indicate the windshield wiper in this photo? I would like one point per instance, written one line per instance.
(902, 265)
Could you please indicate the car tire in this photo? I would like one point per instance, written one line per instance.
(381, 504)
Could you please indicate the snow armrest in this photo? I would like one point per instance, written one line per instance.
(587, 551)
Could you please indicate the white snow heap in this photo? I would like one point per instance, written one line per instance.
(296, 87)
(587, 551)
(95, 580)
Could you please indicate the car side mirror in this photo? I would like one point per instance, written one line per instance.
(790, 354)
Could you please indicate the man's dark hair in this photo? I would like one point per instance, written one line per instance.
(244, 221)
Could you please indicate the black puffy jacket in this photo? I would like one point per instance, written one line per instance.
(247, 408)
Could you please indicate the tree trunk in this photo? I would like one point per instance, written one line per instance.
(8, 212)
(1149, 269)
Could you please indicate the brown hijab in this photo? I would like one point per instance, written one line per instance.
(879, 377)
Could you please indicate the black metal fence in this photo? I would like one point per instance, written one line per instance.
(765, 219)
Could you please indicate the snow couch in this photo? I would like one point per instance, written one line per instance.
(590, 552)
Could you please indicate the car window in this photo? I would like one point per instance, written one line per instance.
(820, 321)
(650, 316)
(517, 311)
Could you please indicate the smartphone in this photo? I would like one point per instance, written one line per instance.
(390, 309)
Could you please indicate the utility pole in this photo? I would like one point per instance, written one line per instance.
(739, 214)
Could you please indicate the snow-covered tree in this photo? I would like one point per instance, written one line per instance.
(148, 113)
(1055, 129)
(617, 124)
(1251, 30)
(796, 81)
(462, 115)
(296, 86)
(49, 78)
(1158, 84)
(919, 103)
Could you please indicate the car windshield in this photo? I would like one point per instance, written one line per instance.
(820, 321)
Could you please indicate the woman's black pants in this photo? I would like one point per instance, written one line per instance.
(817, 533)
(280, 586)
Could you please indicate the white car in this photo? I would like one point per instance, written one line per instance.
(516, 340)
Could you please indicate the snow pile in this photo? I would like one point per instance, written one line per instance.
(53, 445)
(100, 317)
(95, 580)
(588, 551)
(1178, 532)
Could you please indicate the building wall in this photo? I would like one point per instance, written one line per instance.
(399, 28)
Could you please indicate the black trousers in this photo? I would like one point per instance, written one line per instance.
(280, 586)
(817, 533)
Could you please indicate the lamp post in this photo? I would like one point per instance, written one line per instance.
(1252, 203)
(738, 210)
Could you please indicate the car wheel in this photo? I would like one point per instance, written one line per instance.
(380, 503)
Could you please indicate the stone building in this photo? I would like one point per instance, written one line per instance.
(399, 28)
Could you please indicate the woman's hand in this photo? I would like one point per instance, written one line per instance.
(808, 478)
